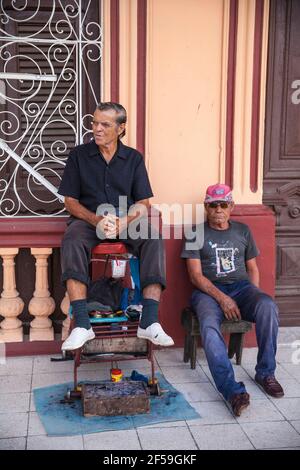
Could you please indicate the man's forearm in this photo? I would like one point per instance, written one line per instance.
(204, 284)
(80, 212)
(138, 210)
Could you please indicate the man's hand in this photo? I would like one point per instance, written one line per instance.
(106, 226)
(122, 224)
(230, 308)
(113, 225)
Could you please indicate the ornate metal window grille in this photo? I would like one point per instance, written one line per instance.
(50, 65)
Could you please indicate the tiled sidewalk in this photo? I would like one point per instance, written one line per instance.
(267, 424)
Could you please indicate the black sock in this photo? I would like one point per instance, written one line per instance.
(79, 310)
(150, 312)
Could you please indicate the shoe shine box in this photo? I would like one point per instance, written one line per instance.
(115, 398)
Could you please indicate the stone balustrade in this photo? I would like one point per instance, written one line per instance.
(41, 305)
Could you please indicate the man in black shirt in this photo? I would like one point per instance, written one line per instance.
(95, 177)
(224, 271)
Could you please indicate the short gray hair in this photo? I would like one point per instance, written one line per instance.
(119, 109)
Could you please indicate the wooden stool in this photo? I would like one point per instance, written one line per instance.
(236, 329)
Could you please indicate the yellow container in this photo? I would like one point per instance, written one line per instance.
(116, 375)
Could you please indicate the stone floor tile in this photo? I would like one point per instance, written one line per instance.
(272, 435)
(254, 390)
(18, 383)
(220, 437)
(14, 402)
(280, 372)
(54, 443)
(17, 443)
(201, 357)
(293, 370)
(284, 354)
(169, 424)
(249, 356)
(289, 407)
(287, 335)
(44, 380)
(170, 357)
(240, 373)
(194, 392)
(214, 412)
(136, 364)
(296, 425)
(260, 411)
(180, 374)
(13, 425)
(17, 366)
(94, 375)
(251, 386)
(44, 365)
(110, 440)
(177, 438)
(32, 404)
(35, 427)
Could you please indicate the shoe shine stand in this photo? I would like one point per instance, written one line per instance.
(115, 340)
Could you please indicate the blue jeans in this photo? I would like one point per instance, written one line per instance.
(256, 307)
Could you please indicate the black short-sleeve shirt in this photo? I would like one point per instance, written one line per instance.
(90, 179)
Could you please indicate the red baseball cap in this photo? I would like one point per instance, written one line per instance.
(218, 192)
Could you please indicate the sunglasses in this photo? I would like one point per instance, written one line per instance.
(214, 205)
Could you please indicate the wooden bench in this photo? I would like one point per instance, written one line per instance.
(236, 329)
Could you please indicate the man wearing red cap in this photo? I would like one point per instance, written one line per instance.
(224, 271)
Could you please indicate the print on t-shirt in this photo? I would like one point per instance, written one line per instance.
(225, 261)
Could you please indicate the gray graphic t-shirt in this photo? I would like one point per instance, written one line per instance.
(224, 252)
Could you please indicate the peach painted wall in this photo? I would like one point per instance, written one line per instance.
(186, 98)
(184, 102)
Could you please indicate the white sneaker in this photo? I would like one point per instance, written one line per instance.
(77, 338)
(155, 334)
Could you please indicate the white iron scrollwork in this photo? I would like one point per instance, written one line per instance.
(49, 58)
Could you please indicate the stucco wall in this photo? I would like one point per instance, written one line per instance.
(184, 101)
(187, 60)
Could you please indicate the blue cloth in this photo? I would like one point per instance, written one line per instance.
(137, 295)
(62, 419)
(138, 377)
(256, 307)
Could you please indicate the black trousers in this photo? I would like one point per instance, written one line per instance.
(79, 239)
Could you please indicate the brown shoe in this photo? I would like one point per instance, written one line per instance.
(270, 386)
(239, 402)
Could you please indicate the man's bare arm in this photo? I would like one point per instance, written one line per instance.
(253, 272)
(139, 209)
(228, 305)
(136, 211)
(76, 209)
